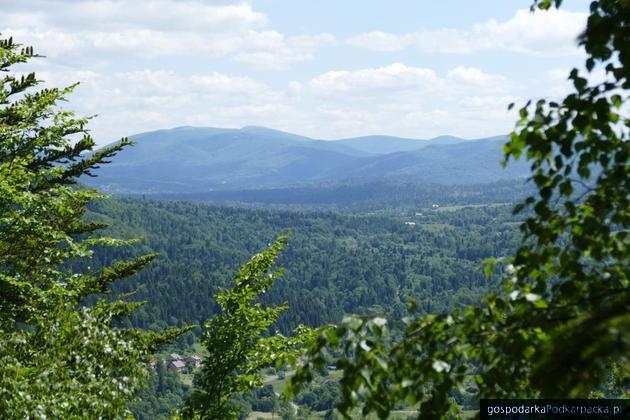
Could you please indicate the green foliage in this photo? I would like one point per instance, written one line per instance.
(236, 350)
(321, 396)
(262, 399)
(575, 250)
(564, 315)
(382, 196)
(58, 357)
(162, 394)
(335, 263)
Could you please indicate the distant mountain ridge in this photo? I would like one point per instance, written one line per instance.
(197, 159)
(389, 144)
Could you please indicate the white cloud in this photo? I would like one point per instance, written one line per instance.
(110, 15)
(390, 78)
(135, 101)
(435, 41)
(399, 79)
(273, 50)
(159, 28)
(412, 101)
(551, 32)
(395, 99)
(561, 86)
(473, 76)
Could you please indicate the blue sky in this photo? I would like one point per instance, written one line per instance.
(326, 69)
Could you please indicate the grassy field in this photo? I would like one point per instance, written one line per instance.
(186, 378)
(454, 208)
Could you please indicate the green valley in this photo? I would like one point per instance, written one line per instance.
(335, 263)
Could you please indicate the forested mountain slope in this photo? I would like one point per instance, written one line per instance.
(335, 264)
(468, 162)
(389, 144)
(199, 159)
(364, 196)
(191, 159)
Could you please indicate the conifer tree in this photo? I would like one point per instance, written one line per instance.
(59, 358)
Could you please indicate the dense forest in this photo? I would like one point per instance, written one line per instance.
(335, 263)
(369, 195)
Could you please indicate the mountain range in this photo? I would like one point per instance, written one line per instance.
(195, 159)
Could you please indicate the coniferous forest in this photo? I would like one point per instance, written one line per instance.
(335, 263)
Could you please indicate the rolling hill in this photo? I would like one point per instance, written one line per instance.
(466, 162)
(192, 159)
(389, 144)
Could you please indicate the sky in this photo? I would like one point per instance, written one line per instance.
(326, 69)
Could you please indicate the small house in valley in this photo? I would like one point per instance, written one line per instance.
(193, 361)
(177, 365)
(174, 356)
